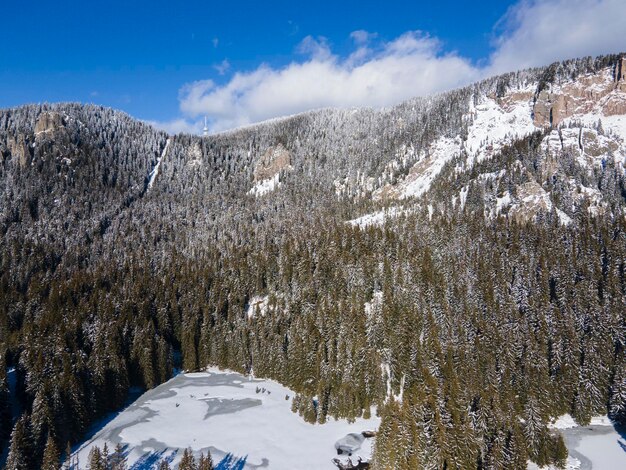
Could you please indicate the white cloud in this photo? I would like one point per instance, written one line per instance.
(382, 73)
(222, 67)
(362, 37)
(408, 66)
(541, 32)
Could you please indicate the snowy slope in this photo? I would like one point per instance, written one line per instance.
(583, 117)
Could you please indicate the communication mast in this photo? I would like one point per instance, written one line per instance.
(205, 131)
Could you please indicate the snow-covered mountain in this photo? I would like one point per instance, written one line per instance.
(363, 258)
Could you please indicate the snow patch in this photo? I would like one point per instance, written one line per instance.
(566, 421)
(493, 126)
(503, 202)
(429, 164)
(463, 196)
(265, 186)
(155, 170)
(257, 305)
(377, 218)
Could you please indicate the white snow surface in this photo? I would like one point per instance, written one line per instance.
(503, 202)
(567, 422)
(595, 446)
(494, 126)
(265, 186)
(155, 170)
(377, 218)
(258, 304)
(572, 463)
(440, 152)
(228, 414)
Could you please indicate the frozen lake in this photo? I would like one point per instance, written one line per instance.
(245, 423)
(598, 446)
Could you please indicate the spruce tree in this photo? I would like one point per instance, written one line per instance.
(20, 451)
(187, 462)
(96, 462)
(118, 458)
(205, 462)
(51, 455)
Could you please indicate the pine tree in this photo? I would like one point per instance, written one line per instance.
(51, 455)
(617, 402)
(105, 456)
(67, 464)
(20, 451)
(205, 462)
(187, 462)
(118, 458)
(95, 459)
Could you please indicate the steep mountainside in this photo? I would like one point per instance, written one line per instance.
(361, 257)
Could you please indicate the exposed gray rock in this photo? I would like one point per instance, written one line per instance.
(49, 121)
(18, 147)
(274, 160)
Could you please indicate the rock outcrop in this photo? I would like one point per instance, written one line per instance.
(274, 160)
(49, 121)
(19, 149)
(602, 92)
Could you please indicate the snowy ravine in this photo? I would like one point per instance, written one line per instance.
(155, 171)
(245, 423)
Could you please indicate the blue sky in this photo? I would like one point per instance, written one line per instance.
(174, 62)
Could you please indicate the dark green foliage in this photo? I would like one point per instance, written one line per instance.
(51, 456)
(20, 449)
(205, 462)
(187, 462)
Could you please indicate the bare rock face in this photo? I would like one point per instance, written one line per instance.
(532, 200)
(274, 160)
(597, 145)
(615, 105)
(512, 99)
(49, 121)
(596, 91)
(18, 148)
(543, 110)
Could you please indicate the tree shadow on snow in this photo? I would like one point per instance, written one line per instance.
(151, 460)
(621, 430)
(133, 394)
(230, 462)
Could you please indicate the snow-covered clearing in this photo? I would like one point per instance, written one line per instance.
(245, 423)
